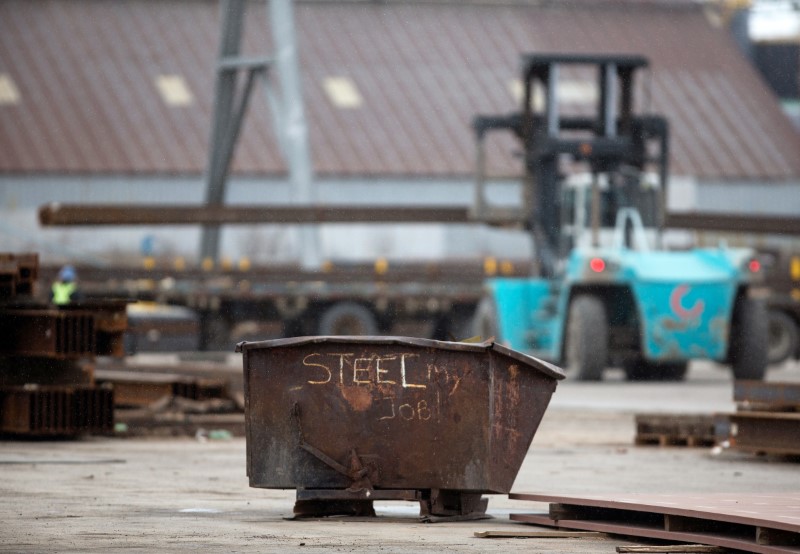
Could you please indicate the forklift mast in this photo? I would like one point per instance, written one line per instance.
(611, 139)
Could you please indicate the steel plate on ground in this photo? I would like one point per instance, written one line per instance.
(766, 523)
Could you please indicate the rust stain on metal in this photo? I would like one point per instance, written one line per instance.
(360, 399)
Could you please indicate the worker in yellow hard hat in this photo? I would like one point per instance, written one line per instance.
(63, 290)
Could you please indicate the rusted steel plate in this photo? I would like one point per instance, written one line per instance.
(56, 410)
(773, 510)
(765, 523)
(637, 529)
(390, 413)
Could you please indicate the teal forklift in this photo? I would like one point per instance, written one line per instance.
(604, 291)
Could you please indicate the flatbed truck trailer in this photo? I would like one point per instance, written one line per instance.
(215, 309)
(781, 290)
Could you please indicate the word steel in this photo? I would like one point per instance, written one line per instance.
(389, 376)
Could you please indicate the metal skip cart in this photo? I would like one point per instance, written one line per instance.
(350, 420)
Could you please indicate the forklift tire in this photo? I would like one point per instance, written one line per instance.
(749, 336)
(348, 318)
(782, 337)
(484, 322)
(586, 349)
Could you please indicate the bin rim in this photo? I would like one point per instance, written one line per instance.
(544, 367)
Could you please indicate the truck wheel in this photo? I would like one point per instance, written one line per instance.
(749, 336)
(642, 370)
(782, 337)
(484, 322)
(348, 318)
(586, 350)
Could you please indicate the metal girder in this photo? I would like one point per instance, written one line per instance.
(766, 432)
(35, 410)
(730, 223)
(140, 214)
(144, 214)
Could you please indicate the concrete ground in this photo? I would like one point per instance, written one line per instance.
(181, 495)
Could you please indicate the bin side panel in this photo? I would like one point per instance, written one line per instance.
(520, 397)
(417, 416)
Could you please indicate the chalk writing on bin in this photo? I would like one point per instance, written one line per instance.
(390, 376)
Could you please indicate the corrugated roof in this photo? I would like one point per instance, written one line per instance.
(87, 71)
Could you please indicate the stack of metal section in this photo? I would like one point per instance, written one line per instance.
(47, 355)
(767, 418)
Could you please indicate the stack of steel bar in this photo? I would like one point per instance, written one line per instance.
(174, 399)
(767, 418)
(47, 353)
(135, 389)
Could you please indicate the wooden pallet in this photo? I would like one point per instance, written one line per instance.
(689, 430)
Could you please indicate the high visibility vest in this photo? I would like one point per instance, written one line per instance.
(62, 292)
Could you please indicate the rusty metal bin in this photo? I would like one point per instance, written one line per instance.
(349, 419)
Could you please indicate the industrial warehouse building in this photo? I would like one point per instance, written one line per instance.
(111, 102)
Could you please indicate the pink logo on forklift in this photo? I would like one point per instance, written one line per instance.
(676, 304)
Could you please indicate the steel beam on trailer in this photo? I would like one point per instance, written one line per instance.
(133, 214)
(731, 223)
(145, 214)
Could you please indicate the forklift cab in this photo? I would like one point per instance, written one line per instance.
(578, 113)
(609, 211)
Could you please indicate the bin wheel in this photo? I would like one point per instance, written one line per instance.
(748, 340)
(348, 318)
(642, 370)
(782, 337)
(586, 350)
